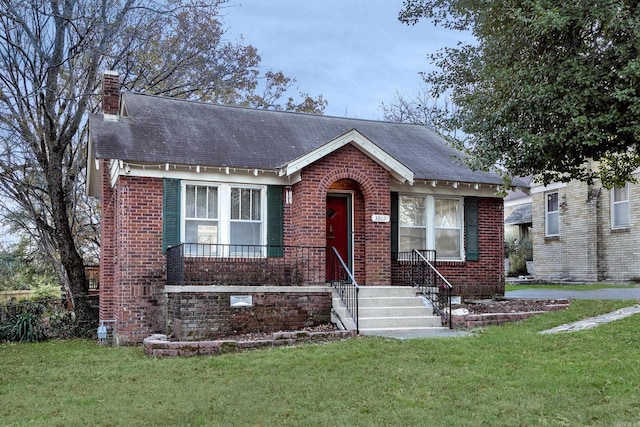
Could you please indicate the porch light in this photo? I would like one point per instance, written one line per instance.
(255, 172)
(434, 183)
(455, 185)
(226, 170)
(198, 169)
(166, 166)
(288, 195)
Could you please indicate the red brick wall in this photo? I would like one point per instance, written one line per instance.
(110, 93)
(197, 316)
(483, 278)
(139, 276)
(346, 168)
(107, 246)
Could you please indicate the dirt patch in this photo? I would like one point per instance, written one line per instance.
(509, 305)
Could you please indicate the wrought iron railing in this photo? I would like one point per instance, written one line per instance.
(341, 278)
(218, 264)
(417, 268)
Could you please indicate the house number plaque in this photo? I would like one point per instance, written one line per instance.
(380, 218)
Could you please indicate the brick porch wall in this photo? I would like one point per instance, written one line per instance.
(209, 315)
(345, 169)
(483, 278)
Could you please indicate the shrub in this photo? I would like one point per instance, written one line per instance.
(518, 251)
(24, 323)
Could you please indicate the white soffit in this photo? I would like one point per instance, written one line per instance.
(384, 159)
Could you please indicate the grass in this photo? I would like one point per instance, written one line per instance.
(567, 287)
(502, 376)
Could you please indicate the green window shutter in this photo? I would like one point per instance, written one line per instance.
(395, 213)
(170, 213)
(471, 229)
(275, 220)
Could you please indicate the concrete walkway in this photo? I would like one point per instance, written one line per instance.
(592, 322)
(610, 293)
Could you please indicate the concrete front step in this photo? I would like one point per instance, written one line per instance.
(399, 322)
(389, 308)
(395, 311)
(411, 301)
(386, 291)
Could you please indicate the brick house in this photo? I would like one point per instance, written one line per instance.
(188, 189)
(586, 233)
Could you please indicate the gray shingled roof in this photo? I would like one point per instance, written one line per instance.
(166, 130)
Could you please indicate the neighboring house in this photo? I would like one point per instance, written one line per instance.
(518, 218)
(196, 197)
(586, 233)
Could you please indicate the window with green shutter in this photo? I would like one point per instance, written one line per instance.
(472, 241)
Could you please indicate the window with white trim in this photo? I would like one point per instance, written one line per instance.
(201, 214)
(620, 207)
(246, 216)
(428, 222)
(223, 214)
(552, 214)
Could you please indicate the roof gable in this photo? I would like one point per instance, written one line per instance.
(384, 159)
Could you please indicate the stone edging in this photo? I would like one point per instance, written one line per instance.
(159, 346)
(487, 319)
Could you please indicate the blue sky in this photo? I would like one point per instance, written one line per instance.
(354, 52)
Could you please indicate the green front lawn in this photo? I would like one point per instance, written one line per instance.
(502, 376)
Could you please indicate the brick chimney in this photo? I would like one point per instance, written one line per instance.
(110, 92)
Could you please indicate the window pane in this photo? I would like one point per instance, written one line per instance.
(191, 201)
(621, 214)
(201, 202)
(552, 224)
(256, 207)
(245, 204)
(412, 238)
(552, 202)
(246, 233)
(412, 211)
(620, 194)
(446, 213)
(201, 232)
(212, 203)
(447, 243)
(235, 203)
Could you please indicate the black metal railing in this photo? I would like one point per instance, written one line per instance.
(417, 268)
(341, 278)
(218, 264)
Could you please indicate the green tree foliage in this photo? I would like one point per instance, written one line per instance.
(51, 56)
(22, 268)
(547, 88)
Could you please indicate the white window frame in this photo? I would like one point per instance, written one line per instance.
(224, 210)
(430, 228)
(548, 214)
(620, 204)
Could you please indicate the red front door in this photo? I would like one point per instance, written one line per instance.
(338, 221)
